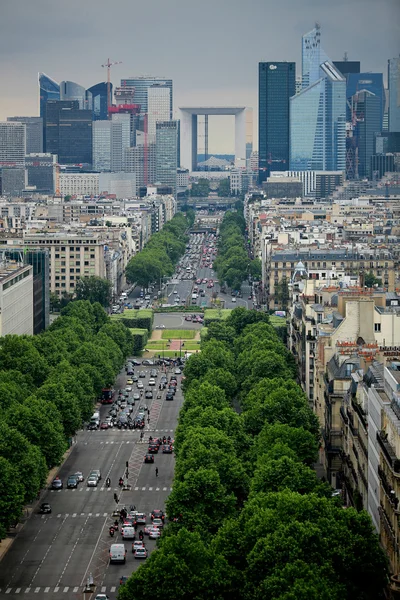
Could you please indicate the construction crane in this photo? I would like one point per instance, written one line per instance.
(108, 65)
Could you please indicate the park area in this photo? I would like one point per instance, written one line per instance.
(170, 343)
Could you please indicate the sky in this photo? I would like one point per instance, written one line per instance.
(210, 48)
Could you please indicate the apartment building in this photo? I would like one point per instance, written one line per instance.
(16, 298)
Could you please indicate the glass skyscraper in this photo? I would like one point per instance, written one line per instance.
(97, 100)
(394, 94)
(368, 111)
(318, 124)
(312, 56)
(69, 132)
(276, 85)
(372, 82)
(34, 132)
(167, 153)
(48, 90)
(69, 90)
(141, 84)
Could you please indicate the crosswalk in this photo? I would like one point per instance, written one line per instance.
(53, 590)
(105, 489)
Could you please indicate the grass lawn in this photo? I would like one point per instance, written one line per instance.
(178, 334)
(157, 345)
(216, 313)
(277, 321)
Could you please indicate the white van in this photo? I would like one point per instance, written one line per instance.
(124, 295)
(95, 416)
(117, 553)
(128, 533)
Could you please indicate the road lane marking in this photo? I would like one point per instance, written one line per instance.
(46, 590)
(17, 591)
(103, 589)
(28, 589)
(113, 588)
(37, 590)
(66, 589)
(48, 550)
(56, 589)
(76, 589)
(8, 590)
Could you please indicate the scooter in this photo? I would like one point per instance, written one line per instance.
(112, 531)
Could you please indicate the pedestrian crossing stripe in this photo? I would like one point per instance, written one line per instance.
(47, 590)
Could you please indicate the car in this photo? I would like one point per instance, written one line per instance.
(136, 396)
(57, 484)
(104, 425)
(140, 518)
(72, 482)
(79, 476)
(128, 388)
(160, 326)
(169, 396)
(93, 426)
(171, 390)
(157, 522)
(167, 449)
(137, 544)
(129, 381)
(149, 394)
(148, 362)
(95, 473)
(142, 374)
(140, 385)
(152, 381)
(175, 292)
(148, 458)
(143, 408)
(178, 371)
(154, 533)
(45, 508)
(92, 481)
(233, 299)
(153, 449)
(140, 553)
(102, 597)
(135, 378)
(130, 402)
(157, 514)
(153, 373)
(135, 362)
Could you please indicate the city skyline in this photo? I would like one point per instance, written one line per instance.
(221, 70)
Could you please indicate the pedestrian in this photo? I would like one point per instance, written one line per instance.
(156, 471)
(148, 411)
(148, 421)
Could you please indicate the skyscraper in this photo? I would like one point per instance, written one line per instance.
(347, 66)
(394, 94)
(48, 90)
(69, 132)
(34, 132)
(97, 100)
(12, 144)
(135, 159)
(276, 85)
(158, 106)
(167, 153)
(69, 90)
(372, 82)
(102, 145)
(318, 124)
(141, 85)
(120, 139)
(312, 56)
(367, 108)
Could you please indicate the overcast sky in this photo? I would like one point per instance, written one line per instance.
(210, 48)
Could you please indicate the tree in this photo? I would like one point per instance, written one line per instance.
(282, 294)
(55, 302)
(200, 189)
(11, 496)
(255, 269)
(19, 353)
(371, 281)
(304, 443)
(94, 289)
(276, 475)
(224, 188)
(240, 318)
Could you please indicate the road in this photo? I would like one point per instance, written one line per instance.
(54, 554)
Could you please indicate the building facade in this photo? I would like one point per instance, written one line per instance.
(372, 82)
(79, 184)
(97, 100)
(158, 106)
(41, 171)
(69, 132)
(69, 90)
(312, 56)
(276, 85)
(167, 153)
(394, 94)
(34, 132)
(48, 90)
(16, 299)
(12, 144)
(368, 115)
(141, 85)
(101, 137)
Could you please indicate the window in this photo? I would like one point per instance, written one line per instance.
(92, 256)
(86, 263)
(77, 270)
(62, 277)
(57, 256)
(77, 262)
(71, 270)
(57, 277)
(377, 327)
(63, 271)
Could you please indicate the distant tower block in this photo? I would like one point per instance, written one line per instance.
(188, 118)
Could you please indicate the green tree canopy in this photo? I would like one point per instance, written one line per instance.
(94, 289)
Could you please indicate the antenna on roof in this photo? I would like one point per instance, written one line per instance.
(345, 57)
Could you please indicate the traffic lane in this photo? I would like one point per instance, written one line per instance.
(174, 321)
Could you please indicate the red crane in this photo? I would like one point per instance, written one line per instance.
(108, 65)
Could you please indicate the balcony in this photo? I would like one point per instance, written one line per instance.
(360, 413)
(363, 446)
(387, 526)
(388, 452)
(387, 488)
(343, 415)
(330, 448)
(363, 478)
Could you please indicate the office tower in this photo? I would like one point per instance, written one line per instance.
(69, 132)
(141, 160)
(41, 171)
(318, 124)
(312, 56)
(120, 139)
(372, 82)
(276, 85)
(102, 145)
(158, 106)
(382, 164)
(124, 95)
(13, 181)
(97, 100)
(347, 66)
(394, 94)
(69, 90)
(12, 144)
(167, 153)
(366, 112)
(141, 85)
(34, 132)
(48, 90)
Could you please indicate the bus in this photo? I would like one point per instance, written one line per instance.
(107, 395)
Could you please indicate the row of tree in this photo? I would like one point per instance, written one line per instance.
(48, 383)
(161, 253)
(249, 519)
(232, 263)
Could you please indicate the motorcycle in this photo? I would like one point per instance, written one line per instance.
(121, 482)
(111, 530)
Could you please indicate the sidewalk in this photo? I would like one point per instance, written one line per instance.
(31, 508)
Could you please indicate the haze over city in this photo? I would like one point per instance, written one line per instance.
(210, 49)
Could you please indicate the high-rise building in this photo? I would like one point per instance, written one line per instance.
(276, 85)
(347, 66)
(120, 139)
(102, 145)
(312, 56)
(12, 181)
(97, 100)
(69, 132)
(158, 106)
(372, 82)
(41, 171)
(141, 160)
(34, 132)
(318, 124)
(124, 95)
(48, 90)
(366, 107)
(12, 144)
(167, 153)
(141, 85)
(394, 94)
(69, 90)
